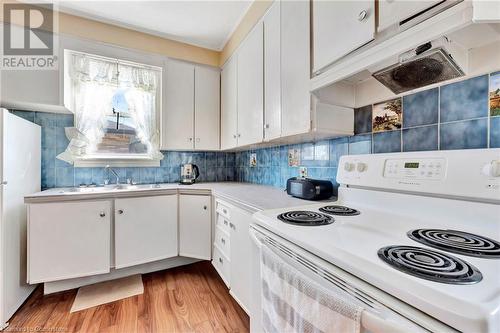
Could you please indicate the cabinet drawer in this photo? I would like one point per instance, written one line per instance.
(222, 265)
(223, 209)
(223, 241)
(223, 223)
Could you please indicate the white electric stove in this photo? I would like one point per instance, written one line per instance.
(417, 234)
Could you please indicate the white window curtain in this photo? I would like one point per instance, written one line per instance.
(94, 80)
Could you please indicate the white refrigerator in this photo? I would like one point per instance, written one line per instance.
(20, 173)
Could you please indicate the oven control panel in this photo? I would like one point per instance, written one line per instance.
(429, 168)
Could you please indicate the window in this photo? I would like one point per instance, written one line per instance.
(116, 106)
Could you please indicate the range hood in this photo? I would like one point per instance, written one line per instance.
(429, 63)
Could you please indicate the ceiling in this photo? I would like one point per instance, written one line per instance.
(208, 24)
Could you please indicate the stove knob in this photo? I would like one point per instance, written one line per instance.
(361, 167)
(348, 166)
(492, 169)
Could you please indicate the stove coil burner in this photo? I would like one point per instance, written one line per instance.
(429, 264)
(339, 210)
(457, 242)
(306, 218)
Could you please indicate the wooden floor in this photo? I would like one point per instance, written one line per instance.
(186, 299)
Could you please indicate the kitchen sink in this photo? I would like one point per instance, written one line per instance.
(110, 188)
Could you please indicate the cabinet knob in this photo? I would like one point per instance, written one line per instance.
(223, 241)
(362, 15)
(232, 226)
(102, 214)
(190, 139)
(267, 126)
(120, 211)
(225, 222)
(234, 136)
(205, 207)
(220, 260)
(239, 135)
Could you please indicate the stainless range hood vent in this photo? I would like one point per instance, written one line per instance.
(429, 63)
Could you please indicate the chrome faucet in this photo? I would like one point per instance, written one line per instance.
(107, 167)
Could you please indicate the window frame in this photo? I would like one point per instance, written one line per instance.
(119, 160)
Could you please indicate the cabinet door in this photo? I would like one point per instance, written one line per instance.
(195, 233)
(392, 12)
(340, 27)
(68, 240)
(295, 67)
(272, 73)
(229, 104)
(178, 116)
(251, 88)
(207, 108)
(34, 90)
(145, 230)
(241, 257)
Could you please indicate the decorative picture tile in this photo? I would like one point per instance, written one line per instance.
(253, 160)
(495, 94)
(293, 157)
(387, 116)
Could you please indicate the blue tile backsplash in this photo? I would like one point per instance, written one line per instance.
(453, 116)
(214, 166)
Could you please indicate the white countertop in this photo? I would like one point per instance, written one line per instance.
(250, 196)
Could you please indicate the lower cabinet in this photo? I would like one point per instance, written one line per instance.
(195, 232)
(68, 240)
(145, 229)
(232, 250)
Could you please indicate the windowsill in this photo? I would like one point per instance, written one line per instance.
(116, 161)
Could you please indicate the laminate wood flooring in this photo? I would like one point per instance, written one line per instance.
(190, 298)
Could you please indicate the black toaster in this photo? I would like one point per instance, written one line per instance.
(310, 189)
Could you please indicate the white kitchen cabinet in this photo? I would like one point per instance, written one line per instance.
(207, 108)
(229, 103)
(240, 257)
(287, 69)
(178, 116)
(195, 232)
(145, 229)
(191, 116)
(68, 240)
(340, 27)
(392, 12)
(251, 87)
(295, 67)
(35, 90)
(272, 72)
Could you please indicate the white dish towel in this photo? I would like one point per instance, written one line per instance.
(292, 302)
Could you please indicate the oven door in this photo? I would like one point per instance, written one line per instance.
(381, 312)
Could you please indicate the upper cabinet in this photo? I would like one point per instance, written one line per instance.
(251, 88)
(178, 116)
(229, 104)
(339, 28)
(272, 72)
(392, 12)
(191, 114)
(207, 108)
(242, 112)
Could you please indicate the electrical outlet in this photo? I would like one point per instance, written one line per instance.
(303, 172)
